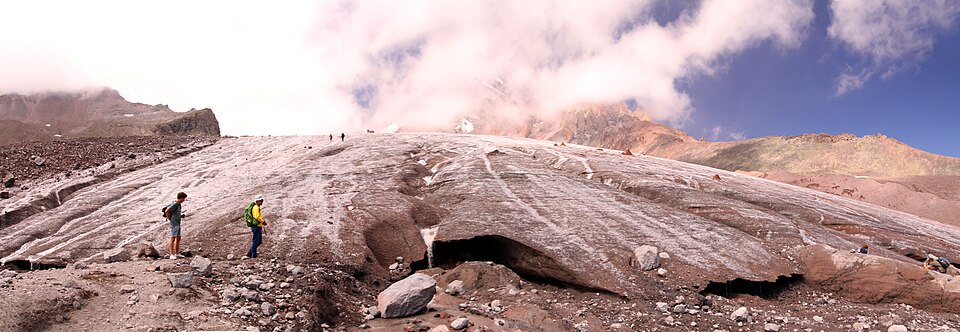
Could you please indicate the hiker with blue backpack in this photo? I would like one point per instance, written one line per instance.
(939, 264)
(254, 220)
(174, 214)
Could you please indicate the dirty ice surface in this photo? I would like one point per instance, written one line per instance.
(570, 213)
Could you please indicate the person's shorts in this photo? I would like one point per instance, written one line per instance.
(174, 230)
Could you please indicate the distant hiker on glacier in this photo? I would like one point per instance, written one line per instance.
(863, 249)
(331, 137)
(342, 136)
(174, 214)
(939, 264)
(254, 220)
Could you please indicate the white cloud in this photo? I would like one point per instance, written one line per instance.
(891, 34)
(288, 68)
(851, 80)
(715, 133)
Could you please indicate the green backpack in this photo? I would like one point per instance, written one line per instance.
(248, 215)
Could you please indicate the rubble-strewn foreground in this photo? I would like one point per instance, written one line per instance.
(518, 235)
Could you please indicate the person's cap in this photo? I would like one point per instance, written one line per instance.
(931, 256)
(258, 198)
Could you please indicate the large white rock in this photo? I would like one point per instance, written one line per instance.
(455, 288)
(740, 315)
(460, 323)
(646, 257)
(268, 309)
(407, 297)
(440, 328)
(897, 328)
(202, 265)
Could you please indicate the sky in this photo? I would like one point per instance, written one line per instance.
(720, 69)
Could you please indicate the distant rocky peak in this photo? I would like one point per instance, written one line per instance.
(96, 112)
(610, 111)
(101, 93)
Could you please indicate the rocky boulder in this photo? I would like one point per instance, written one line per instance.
(875, 279)
(9, 182)
(202, 265)
(147, 250)
(480, 275)
(181, 280)
(407, 297)
(646, 257)
(455, 288)
(897, 328)
(460, 323)
(740, 315)
(268, 309)
(116, 255)
(228, 294)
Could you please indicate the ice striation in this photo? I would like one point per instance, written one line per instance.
(572, 214)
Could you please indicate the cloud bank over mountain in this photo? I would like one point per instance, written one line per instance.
(434, 57)
(301, 68)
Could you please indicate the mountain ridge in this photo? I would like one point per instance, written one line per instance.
(615, 126)
(94, 113)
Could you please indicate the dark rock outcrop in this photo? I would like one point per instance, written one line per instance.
(193, 122)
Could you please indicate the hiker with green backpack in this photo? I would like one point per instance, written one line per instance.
(255, 221)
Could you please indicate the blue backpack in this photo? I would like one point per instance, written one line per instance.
(943, 262)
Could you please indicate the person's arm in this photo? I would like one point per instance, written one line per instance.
(167, 212)
(258, 216)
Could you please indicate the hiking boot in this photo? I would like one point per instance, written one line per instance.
(181, 256)
(173, 256)
(244, 257)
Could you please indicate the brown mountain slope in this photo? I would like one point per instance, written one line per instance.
(16, 131)
(616, 127)
(931, 197)
(99, 113)
(816, 154)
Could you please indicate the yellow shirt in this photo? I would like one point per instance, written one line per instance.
(258, 216)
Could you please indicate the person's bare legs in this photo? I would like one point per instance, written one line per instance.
(172, 239)
(176, 245)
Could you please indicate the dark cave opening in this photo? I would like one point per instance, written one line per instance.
(27, 265)
(763, 289)
(527, 262)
